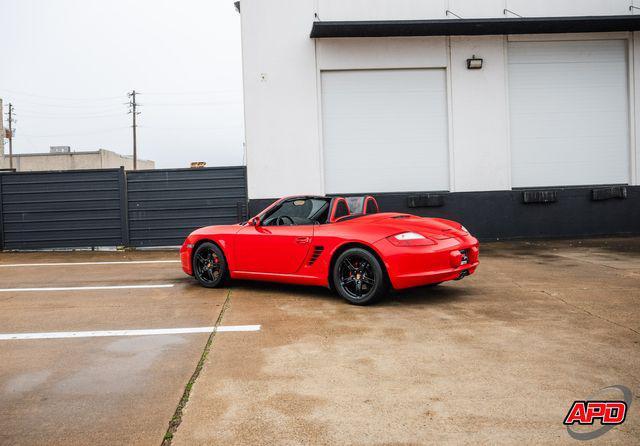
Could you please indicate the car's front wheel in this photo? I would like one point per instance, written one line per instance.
(358, 277)
(209, 265)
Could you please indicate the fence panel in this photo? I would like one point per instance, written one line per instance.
(164, 206)
(63, 209)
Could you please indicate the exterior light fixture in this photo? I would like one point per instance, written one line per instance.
(474, 63)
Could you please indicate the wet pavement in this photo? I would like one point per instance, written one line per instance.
(103, 390)
(495, 358)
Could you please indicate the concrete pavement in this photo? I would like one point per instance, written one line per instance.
(495, 358)
(112, 390)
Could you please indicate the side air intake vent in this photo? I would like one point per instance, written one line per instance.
(317, 250)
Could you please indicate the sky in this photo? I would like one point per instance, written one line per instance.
(67, 66)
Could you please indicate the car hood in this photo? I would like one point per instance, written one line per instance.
(391, 223)
(217, 229)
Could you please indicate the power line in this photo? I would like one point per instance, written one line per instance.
(59, 98)
(133, 110)
(75, 111)
(187, 93)
(107, 130)
(103, 107)
(232, 127)
(72, 106)
(10, 122)
(83, 116)
(189, 104)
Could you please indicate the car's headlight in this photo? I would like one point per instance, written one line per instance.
(410, 239)
(462, 228)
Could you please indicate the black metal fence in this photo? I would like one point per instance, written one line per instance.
(111, 207)
(165, 205)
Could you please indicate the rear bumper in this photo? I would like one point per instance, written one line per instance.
(417, 266)
(428, 277)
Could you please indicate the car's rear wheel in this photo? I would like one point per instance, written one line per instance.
(358, 277)
(209, 265)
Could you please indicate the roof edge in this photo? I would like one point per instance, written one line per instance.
(475, 27)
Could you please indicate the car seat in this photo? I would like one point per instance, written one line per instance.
(365, 204)
(339, 209)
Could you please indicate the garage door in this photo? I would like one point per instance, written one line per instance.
(569, 113)
(385, 130)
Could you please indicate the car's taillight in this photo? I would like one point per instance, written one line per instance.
(410, 239)
(474, 254)
(455, 259)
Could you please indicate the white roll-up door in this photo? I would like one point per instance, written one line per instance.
(385, 130)
(569, 113)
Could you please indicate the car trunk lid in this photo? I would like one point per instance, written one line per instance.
(435, 228)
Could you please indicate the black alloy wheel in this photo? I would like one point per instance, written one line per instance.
(358, 277)
(209, 265)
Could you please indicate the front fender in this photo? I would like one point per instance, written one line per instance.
(222, 236)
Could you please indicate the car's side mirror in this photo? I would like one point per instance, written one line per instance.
(255, 221)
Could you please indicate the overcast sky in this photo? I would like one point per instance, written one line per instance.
(67, 66)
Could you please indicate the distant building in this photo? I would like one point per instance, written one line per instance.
(62, 158)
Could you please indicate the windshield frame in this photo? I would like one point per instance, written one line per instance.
(267, 213)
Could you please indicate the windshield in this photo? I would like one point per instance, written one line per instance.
(298, 211)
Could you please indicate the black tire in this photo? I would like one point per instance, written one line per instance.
(358, 277)
(209, 265)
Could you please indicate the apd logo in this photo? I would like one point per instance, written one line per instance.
(608, 413)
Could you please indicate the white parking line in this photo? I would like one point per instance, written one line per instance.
(109, 333)
(124, 262)
(85, 288)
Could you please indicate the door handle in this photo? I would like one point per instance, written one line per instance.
(303, 240)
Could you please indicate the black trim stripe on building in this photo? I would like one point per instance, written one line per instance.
(475, 27)
(512, 214)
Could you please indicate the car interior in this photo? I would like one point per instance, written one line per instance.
(319, 210)
(339, 209)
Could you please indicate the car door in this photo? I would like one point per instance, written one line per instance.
(272, 249)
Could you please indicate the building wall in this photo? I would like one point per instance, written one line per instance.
(109, 159)
(480, 141)
(281, 109)
(101, 159)
(282, 67)
(436, 9)
(1, 129)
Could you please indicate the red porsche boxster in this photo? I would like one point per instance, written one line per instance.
(342, 243)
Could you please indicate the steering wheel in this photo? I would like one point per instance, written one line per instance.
(280, 221)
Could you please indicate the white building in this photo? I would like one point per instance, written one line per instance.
(379, 96)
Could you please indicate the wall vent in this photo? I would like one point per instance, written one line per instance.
(539, 196)
(605, 193)
(425, 200)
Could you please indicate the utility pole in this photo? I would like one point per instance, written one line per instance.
(10, 122)
(134, 111)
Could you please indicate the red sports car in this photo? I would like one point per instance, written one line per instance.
(342, 243)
